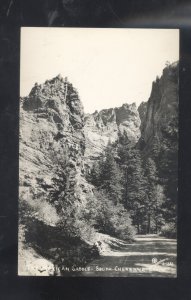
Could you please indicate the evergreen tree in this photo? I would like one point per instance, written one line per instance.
(95, 174)
(155, 195)
(137, 198)
(156, 147)
(143, 196)
(168, 169)
(111, 216)
(157, 207)
(134, 196)
(110, 176)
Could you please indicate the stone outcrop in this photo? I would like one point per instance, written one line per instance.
(104, 126)
(142, 109)
(54, 129)
(161, 108)
(51, 131)
(51, 124)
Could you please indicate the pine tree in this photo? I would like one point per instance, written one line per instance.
(168, 169)
(60, 194)
(111, 176)
(134, 196)
(95, 173)
(156, 147)
(157, 207)
(151, 177)
(136, 193)
(111, 217)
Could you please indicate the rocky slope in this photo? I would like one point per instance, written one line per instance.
(161, 108)
(54, 129)
(51, 131)
(104, 126)
(51, 124)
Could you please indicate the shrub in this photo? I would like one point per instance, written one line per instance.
(112, 218)
(78, 255)
(169, 230)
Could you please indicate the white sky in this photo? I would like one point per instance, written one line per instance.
(108, 67)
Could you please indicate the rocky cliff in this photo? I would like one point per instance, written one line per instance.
(54, 132)
(104, 126)
(142, 109)
(160, 110)
(51, 131)
(143, 126)
(51, 124)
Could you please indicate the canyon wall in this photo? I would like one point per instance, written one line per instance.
(54, 131)
(160, 110)
(104, 126)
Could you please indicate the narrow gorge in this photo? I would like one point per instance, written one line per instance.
(63, 219)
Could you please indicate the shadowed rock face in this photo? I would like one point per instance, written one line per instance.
(53, 128)
(104, 126)
(142, 109)
(161, 108)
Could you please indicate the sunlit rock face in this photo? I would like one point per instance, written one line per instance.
(104, 126)
(161, 108)
(51, 131)
(54, 128)
(52, 123)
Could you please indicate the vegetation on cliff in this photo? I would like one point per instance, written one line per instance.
(126, 187)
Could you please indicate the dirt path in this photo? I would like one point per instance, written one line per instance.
(149, 256)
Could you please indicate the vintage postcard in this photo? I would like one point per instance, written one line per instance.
(98, 152)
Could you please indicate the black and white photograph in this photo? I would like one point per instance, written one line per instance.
(98, 152)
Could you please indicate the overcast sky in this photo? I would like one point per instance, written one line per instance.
(108, 67)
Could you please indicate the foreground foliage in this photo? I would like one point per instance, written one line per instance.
(142, 190)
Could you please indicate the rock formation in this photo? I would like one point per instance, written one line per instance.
(104, 126)
(142, 109)
(53, 129)
(161, 108)
(51, 122)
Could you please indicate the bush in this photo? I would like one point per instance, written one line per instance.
(169, 230)
(76, 256)
(122, 227)
(112, 219)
